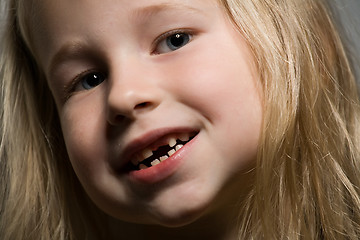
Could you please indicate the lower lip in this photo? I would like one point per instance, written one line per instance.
(164, 169)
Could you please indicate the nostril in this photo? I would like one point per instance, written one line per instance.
(119, 118)
(142, 105)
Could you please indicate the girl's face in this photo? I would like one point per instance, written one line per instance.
(134, 77)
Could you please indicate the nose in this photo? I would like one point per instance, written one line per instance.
(132, 92)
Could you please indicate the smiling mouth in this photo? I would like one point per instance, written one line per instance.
(157, 153)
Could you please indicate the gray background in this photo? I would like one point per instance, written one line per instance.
(349, 13)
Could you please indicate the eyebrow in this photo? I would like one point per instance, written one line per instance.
(69, 51)
(77, 49)
(144, 14)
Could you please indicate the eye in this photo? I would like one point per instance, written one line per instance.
(171, 41)
(91, 80)
(84, 81)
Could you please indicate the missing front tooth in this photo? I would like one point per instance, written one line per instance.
(161, 153)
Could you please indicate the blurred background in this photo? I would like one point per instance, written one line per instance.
(349, 14)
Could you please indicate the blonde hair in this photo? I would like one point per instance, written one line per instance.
(307, 172)
(41, 197)
(307, 176)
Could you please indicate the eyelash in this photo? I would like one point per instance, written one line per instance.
(168, 34)
(71, 88)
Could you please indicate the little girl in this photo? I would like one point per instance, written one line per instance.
(202, 119)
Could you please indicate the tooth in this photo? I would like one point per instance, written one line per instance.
(155, 162)
(136, 159)
(171, 152)
(184, 137)
(143, 166)
(178, 147)
(163, 158)
(146, 153)
(172, 142)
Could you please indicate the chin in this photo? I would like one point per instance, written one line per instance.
(180, 218)
(181, 210)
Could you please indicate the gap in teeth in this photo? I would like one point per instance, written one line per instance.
(155, 162)
(143, 160)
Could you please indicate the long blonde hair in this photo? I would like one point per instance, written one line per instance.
(307, 184)
(41, 197)
(307, 172)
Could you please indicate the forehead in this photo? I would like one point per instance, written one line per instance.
(54, 20)
(62, 13)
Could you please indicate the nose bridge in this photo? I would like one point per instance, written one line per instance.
(131, 88)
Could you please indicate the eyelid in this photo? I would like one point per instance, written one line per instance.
(168, 34)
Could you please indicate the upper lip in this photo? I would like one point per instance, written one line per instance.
(143, 141)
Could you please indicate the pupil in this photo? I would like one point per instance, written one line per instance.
(177, 40)
(93, 80)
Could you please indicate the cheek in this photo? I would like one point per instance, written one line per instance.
(218, 80)
(223, 87)
(84, 136)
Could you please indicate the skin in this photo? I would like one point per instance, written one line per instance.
(208, 85)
